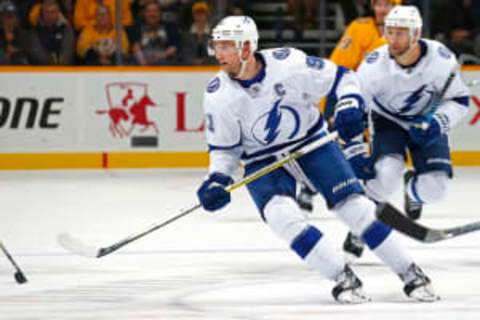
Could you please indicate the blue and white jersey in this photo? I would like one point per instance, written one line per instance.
(400, 93)
(275, 111)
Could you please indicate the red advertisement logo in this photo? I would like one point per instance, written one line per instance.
(128, 104)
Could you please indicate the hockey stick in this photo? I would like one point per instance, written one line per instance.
(395, 219)
(437, 99)
(19, 275)
(76, 246)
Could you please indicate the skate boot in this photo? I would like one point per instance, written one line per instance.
(348, 288)
(305, 198)
(353, 247)
(418, 285)
(412, 208)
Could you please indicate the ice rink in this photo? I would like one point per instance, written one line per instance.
(221, 266)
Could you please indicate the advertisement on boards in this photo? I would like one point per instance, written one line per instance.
(102, 112)
(130, 111)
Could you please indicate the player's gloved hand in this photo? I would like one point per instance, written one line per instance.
(212, 193)
(349, 117)
(357, 154)
(425, 131)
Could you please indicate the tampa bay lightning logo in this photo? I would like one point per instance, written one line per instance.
(281, 123)
(421, 96)
(213, 85)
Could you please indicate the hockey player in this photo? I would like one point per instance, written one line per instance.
(400, 80)
(262, 105)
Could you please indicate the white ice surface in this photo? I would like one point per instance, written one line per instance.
(204, 266)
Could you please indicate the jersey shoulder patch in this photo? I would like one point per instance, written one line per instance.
(315, 62)
(213, 85)
(372, 57)
(444, 52)
(281, 54)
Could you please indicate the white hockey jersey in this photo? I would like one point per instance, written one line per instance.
(400, 94)
(275, 111)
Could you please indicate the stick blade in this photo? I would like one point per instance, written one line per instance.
(76, 246)
(20, 277)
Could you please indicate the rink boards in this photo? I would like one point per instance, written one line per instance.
(130, 117)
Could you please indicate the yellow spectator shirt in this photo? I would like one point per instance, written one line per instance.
(85, 11)
(360, 38)
(91, 38)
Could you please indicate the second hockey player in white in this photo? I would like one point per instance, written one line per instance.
(415, 95)
(402, 85)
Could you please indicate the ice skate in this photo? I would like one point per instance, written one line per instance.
(418, 286)
(348, 288)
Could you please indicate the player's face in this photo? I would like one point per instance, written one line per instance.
(226, 54)
(381, 8)
(399, 40)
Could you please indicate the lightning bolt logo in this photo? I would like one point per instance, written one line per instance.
(273, 122)
(412, 99)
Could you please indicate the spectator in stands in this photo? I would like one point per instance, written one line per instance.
(13, 39)
(195, 40)
(156, 42)
(52, 40)
(362, 36)
(85, 12)
(171, 10)
(34, 11)
(22, 7)
(96, 44)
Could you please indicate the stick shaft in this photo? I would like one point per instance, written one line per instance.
(9, 257)
(437, 99)
(107, 250)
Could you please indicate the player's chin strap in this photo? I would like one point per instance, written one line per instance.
(243, 63)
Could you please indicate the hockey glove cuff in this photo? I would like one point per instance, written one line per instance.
(349, 117)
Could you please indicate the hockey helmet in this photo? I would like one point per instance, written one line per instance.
(239, 29)
(404, 17)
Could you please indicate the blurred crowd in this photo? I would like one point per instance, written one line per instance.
(169, 32)
(83, 32)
